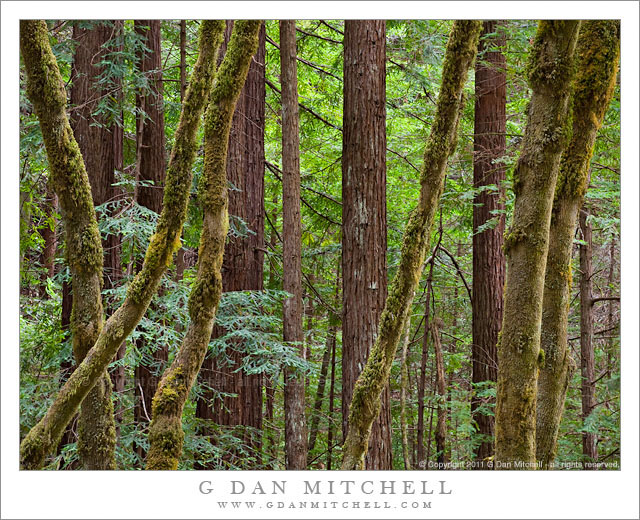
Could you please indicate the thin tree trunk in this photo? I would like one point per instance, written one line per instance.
(166, 435)
(422, 382)
(597, 57)
(404, 383)
(526, 243)
(150, 168)
(295, 428)
(364, 218)
(587, 357)
(332, 428)
(46, 91)
(488, 257)
(48, 234)
(365, 405)
(322, 381)
(441, 391)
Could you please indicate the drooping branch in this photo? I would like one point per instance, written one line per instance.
(365, 404)
(44, 436)
(165, 432)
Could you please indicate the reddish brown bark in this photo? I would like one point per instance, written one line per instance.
(294, 404)
(364, 226)
(151, 166)
(587, 355)
(488, 256)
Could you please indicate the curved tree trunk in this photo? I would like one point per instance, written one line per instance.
(364, 218)
(526, 243)
(488, 257)
(165, 432)
(597, 57)
(45, 89)
(365, 405)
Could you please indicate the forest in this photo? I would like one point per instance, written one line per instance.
(319, 244)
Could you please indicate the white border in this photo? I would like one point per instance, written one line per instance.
(175, 495)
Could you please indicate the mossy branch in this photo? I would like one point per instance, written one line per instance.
(165, 432)
(365, 405)
(44, 437)
(597, 61)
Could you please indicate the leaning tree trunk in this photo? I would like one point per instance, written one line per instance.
(364, 218)
(242, 267)
(489, 146)
(46, 90)
(165, 432)
(597, 58)
(365, 405)
(294, 412)
(587, 356)
(526, 242)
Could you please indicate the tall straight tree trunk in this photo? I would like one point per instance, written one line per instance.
(294, 409)
(166, 435)
(597, 57)
(404, 390)
(587, 357)
(422, 381)
(331, 428)
(151, 164)
(45, 89)
(364, 218)
(441, 392)
(242, 268)
(100, 140)
(366, 401)
(527, 242)
(48, 234)
(489, 145)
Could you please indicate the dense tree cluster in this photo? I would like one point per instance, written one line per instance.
(319, 244)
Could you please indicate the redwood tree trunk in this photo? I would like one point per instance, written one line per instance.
(242, 267)
(364, 218)
(100, 140)
(151, 165)
(294, 409)
(587, 364)
(488, 257)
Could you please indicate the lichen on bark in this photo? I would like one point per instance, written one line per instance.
(526, 242)
(597, 60)
(165, 431)
(47, 86)
(365, 404)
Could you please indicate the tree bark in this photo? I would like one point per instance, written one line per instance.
(46, 90)
(597, 57)
(441, 392)
(587, 355)
(242, 268)
(365, 405)
(165, 432)
(364, 218)
(295, 427)
(404, 389)
(488, 257)
(150, 166)
(526, 242)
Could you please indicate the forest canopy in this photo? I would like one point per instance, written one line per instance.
(319, 244)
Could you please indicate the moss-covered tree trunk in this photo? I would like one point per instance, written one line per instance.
(526, 242)
(46, 90)
(597, 58)
(84, 252)
(365, 405)
(165, 432)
